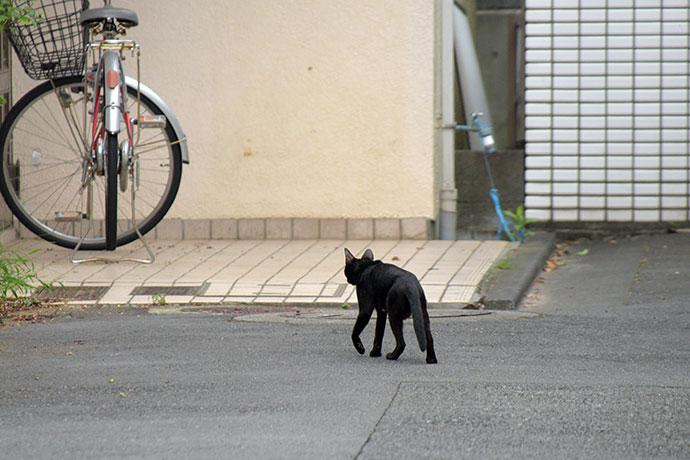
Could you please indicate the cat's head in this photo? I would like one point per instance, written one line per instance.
(354, 266)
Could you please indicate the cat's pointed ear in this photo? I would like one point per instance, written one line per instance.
(368, 254)
(348, 256)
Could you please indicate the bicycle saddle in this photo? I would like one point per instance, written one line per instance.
(127, 18)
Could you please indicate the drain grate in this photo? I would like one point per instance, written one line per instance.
(167, 290)
(73, 292)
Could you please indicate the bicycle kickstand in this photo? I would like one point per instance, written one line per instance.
(150, 260)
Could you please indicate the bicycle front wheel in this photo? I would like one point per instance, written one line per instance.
(49, 176)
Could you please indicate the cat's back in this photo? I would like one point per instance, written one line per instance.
(388, 273)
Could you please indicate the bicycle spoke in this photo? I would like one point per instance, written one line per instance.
(47, 165)
(52, 126)
(68, 207)
(154, 192)
(47, 185)
(62, 188)
(36, 130)
(58, 132)
(47, 188)
(155, 169)
(77, 127)
(99, 197)
(36, 127)
(151, 146)
(151, 135)
(71, 122)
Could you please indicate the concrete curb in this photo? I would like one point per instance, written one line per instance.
(293, 315)
(510, 285)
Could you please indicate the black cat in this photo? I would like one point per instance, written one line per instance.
(394, 292)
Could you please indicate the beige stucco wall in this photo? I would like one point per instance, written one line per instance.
(303, 108)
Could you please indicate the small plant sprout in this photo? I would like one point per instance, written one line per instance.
(505, 264)
(159, 299)
(520, 222)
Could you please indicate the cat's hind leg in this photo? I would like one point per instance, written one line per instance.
(396, 323)
(378, 335)
(397, 309)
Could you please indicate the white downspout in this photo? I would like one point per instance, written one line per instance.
(469, 74)
(448, 214)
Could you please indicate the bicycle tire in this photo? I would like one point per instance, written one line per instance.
(111, 174)
(41, 164)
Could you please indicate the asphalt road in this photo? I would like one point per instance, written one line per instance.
(603, 373)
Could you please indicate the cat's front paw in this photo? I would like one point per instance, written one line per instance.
(375, 353)
(358, 346)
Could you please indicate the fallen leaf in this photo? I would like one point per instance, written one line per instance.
(584, 252)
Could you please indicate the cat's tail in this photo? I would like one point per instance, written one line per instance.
(418, 318)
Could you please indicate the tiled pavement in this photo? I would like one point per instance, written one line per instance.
(304, 272)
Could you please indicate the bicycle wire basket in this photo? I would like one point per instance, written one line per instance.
(54, 45)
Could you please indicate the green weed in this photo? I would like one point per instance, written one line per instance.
(519, 223)
(159, 299)
(505, 264)
(18, 275)
(18, 281)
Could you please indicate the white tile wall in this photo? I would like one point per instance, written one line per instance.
(607, 103)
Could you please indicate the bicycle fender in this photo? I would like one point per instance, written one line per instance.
(112, 74)
(169, 115)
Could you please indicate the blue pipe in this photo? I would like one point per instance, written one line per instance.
(488, 146)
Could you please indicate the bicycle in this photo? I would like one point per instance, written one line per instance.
(91, 143)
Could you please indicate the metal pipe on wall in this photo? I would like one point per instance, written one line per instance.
(448, 193)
